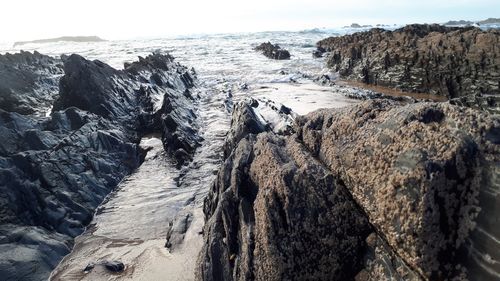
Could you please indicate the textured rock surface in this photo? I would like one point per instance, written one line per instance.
(259, 224)
(273, 51)
(447, 61)
(486, 103)
(176, 118)
(55, 170)
(377, 191)
(416, 170)
(29, 82)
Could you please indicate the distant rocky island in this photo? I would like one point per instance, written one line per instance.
(459, 22)
(466, 22)
(357, 25)
(489, 21)
(62, 39)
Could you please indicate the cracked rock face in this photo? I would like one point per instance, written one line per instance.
(434, 59)
(55, 170)
(377, 191)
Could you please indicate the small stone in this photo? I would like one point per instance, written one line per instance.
(89, 267)
(114, 266)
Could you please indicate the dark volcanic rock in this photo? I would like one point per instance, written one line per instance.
(435, 59)
(28, 82)
(54, 171)
(381, 190)
(51, 182)
(273, 51)
(152, 94)
(176, 118)
(98, 88)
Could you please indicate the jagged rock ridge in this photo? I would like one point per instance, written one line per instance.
(434, 59)
(377, 191)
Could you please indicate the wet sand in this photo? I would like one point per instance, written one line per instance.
(303, 98)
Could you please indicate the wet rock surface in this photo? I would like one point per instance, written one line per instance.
(382, 190)
(434, 59)
(29, 82)
(55, 170)
(273, 51)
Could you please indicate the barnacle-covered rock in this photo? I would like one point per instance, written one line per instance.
(381, 190)
(447, 61)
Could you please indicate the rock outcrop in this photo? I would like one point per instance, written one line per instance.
(378, 191)
(434, 59)
(273, 51)
(176, 118)
(55, 170)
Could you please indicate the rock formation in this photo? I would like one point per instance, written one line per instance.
(434, 59)
(55, 170)
(378, 191)
(273, 51)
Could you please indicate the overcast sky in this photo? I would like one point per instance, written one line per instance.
(122, 19)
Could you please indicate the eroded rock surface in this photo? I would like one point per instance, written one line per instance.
(378, 191)
(55, 170)
(447, 61)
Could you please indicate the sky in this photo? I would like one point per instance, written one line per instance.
(127, 19)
